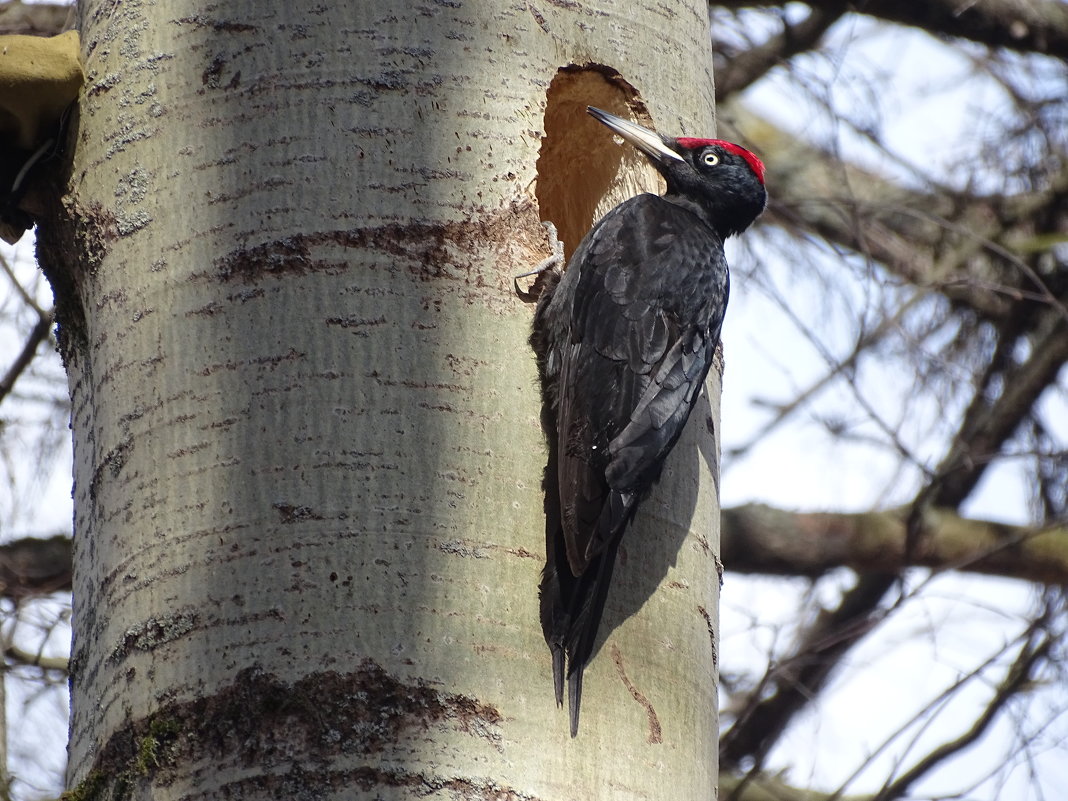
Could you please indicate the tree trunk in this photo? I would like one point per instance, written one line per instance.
(308, 523)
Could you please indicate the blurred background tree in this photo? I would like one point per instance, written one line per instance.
(895, 472)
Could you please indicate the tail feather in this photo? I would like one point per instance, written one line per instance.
(558, 673)
(572, 606)
(587, 609)
(574, 697)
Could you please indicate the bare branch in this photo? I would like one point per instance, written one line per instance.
(799, 678)
(744, 69)
(928, 712)
(1027, 26)
(865, 342)
(1018, 676)
(760, 539)
(989, 423)
(30, 567)
(22, 657)
(986, 428)
(773, 788)
(960, 246)
(38, 334)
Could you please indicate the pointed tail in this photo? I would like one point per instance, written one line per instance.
(571, 610)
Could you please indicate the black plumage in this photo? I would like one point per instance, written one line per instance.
(624, 341)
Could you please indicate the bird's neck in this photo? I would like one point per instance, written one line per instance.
(699, 210)
(730, 216)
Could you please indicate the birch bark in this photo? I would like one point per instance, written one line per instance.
(307, 454)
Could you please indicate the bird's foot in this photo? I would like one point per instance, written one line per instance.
(553, 261)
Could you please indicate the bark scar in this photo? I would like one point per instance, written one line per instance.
(655, 734)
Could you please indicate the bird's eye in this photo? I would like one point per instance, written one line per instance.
(710, 159)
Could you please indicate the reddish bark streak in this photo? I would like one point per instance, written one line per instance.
(655, 732)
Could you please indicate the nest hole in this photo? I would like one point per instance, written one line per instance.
(582, 169)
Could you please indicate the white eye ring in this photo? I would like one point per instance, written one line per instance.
(710, 159)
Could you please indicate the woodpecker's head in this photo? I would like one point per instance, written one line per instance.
(720, 180)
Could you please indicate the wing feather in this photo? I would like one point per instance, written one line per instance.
(640, 346)
(625, 342)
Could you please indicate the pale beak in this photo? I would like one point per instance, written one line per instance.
(648, 142)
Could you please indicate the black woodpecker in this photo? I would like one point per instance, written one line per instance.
(624, 340)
